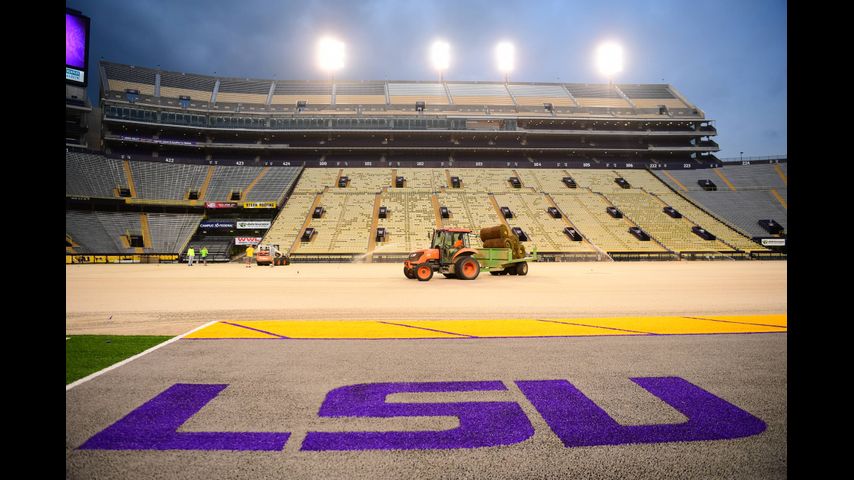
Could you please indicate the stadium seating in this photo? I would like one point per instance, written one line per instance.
(228, 179)
(274, 185)
(409, 93)
(586, 210)
(218, 248)
(743, 208)
(93, 175)
(479, 94)
(674, 233)
(345, 227)
(102, 232)
(757, 188)
(163, 181)
(537, 95)
(546, 232)
(410, 218)
(288, 224)
(700, 217)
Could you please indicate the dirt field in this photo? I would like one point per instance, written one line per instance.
(172, 299)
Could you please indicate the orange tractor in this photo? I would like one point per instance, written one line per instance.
(449, 254)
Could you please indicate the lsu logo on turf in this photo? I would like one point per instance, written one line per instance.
(571, 415)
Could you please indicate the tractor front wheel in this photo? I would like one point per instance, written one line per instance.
(423, 273)
(408, 273)
(467, 268)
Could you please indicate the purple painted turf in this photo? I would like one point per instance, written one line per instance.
(597, 326)
(255, 329)
(579, 422)
(428, 329)
(154, 425)
(482, 424)
(732, 321)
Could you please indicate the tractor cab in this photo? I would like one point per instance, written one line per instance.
(449, 241)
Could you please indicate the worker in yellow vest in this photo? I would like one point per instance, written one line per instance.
(191, 254)
(250, 253)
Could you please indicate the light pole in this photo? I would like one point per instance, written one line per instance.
(609, 59)
(330, 55)
(504, 54)
(440, 54)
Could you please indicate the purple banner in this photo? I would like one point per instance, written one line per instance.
(482, 424)
(75, 41)
(154, 425)
(580, 422)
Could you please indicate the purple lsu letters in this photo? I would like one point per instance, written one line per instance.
(573, 417)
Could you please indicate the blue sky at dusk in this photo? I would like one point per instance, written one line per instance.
(728, 57)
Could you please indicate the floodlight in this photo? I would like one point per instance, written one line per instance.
(440, 54)
(504, 53)
(609, 58)
(330, 54)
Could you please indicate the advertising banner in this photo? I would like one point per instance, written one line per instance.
(774, 242)
(253, 225)
(217, 225)
(247, 240)
(220, 205)
(259, 205)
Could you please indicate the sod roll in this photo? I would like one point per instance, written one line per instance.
(496, 232)
(498, 243)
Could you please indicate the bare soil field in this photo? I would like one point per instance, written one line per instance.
(172, 299)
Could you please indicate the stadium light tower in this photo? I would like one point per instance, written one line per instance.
(609, 59)
(504, 54)
(330, 55)
(440, 55)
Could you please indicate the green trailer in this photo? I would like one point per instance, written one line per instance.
(500, 261)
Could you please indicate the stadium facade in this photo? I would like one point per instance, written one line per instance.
(333, 171)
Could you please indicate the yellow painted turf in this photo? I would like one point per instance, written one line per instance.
(366, 329)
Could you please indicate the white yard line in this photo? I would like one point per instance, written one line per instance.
(128, 360)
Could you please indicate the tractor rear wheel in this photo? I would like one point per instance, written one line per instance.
(467, 268)
(522, 268)
(423, 273)
(408, 273)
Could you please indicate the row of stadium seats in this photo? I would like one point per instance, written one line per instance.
(98, 176)
(200, 89)
(350, 212)
(745, 194)
(107, 232)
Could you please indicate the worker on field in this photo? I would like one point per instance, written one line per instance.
(250, 252)
(191, 254)
(204, 253)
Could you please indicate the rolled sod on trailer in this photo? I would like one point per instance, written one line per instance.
(500, 236)
(498, 243)
(497, 232)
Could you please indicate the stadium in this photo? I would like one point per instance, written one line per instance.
(645, 336)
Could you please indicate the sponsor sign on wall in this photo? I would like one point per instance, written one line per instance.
(220, 205)
(259, 205)
(253, 225)
(774, 242)
(217, 225)
(247, 240)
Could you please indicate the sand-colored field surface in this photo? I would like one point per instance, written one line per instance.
(172, 299)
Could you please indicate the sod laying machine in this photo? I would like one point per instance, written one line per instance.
(451, 255)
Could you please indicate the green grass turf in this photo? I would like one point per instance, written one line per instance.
(86, 354)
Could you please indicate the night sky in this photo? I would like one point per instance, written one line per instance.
(729, 57)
